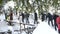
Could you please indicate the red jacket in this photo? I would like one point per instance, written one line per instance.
(58, 22)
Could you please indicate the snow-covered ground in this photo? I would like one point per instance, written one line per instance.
(4, 27)
(44, 28)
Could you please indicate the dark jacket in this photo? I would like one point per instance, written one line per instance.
(50, 17)
(23, 15)
(11, 16)
(27, 15)
(35, 14)
(55, 16)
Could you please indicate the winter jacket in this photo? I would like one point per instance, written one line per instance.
(23, 15)
(50, 16)
(35, 14)
(58, 22)
(55, 16)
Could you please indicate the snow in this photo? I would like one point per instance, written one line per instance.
(23, 32)
(9, 4)
(2, 17)
(44, 28)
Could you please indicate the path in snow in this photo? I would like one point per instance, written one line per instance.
(44, 28)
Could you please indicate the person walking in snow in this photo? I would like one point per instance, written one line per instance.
(54, 18)
(6, 16)
(43, 15)
(22, 17)
(58, 23)
(27, 17)
(35, 17)
(50, 18)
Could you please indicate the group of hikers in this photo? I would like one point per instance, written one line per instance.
(25, 15)
(53, 18)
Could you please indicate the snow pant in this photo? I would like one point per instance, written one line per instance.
(35, 21)
(49, 22)
(55, 24)
(23, 20)
(59, 31)
(27, 20)
(42, 18)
